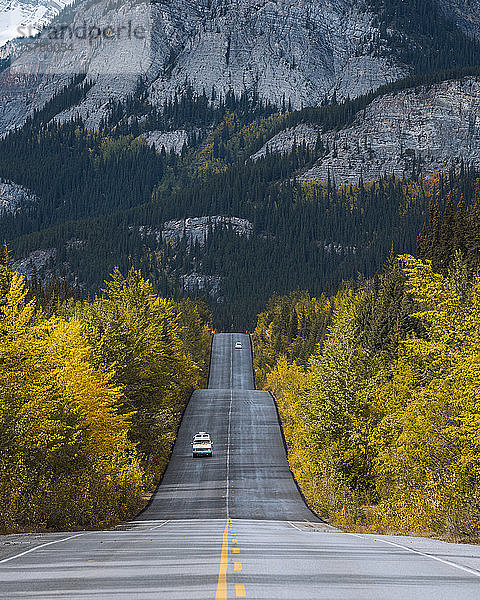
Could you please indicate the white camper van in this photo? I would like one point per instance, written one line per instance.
(202, 444)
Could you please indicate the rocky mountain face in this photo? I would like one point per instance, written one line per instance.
(167, 140)
(14, 198)
(196, 229)
(416, 131)
(197, 283)
(289, 51)
(465, 13)
(293, 52)
(210, 81)
(108, 43)
(296, 51)
(39, 263)
(284, 141)
(420, 130)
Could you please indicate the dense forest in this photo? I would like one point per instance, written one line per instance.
(378, 386)
(303, 236)
(91, 395)
(429, 40)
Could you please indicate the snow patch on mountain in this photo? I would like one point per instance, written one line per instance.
(23, 18)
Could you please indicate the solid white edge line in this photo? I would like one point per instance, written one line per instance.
(406, 548)
(145, 521)
(322, 524)
(296, 527)
(5, 560)
(424, 554)
(158, 526)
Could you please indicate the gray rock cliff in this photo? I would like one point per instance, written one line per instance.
(416, 131)
(298, 50)
(14, 198)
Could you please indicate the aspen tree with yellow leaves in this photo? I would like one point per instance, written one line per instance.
(428, 465)
(383, 422)
(90, 399)
(65, 456)
(139, 335)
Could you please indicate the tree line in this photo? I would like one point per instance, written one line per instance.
(378, 389)
(91, 395)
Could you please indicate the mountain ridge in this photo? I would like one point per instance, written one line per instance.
(294, 52)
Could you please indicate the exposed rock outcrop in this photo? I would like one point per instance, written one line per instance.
(170, 140)
(416, 131)
(78, 42)
(284, 141)
(36, 262)
(196, 229)
(466, 13)
(300, 51)
(198, 283)
(14, 198)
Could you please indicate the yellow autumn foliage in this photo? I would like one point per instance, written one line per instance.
(65, 455)
(90, 400)
(428, 461)
(383, 424)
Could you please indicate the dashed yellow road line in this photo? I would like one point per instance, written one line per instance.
(221, 593)
(234, 541)
(235, 550)
(237, 566)
(240, 590)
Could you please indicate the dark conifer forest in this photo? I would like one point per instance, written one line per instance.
(106, 194)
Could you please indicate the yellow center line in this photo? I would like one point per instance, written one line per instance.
(221, 593)
(240, 590)
(235, 550)
(234, 541)
(237, 566)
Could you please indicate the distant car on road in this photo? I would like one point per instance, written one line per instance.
(202, 444)
(238, 345)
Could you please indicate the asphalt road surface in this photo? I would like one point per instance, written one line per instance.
(233, 526)
(248, 476)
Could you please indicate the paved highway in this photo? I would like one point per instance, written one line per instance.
(233, 526)
(248, 476)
